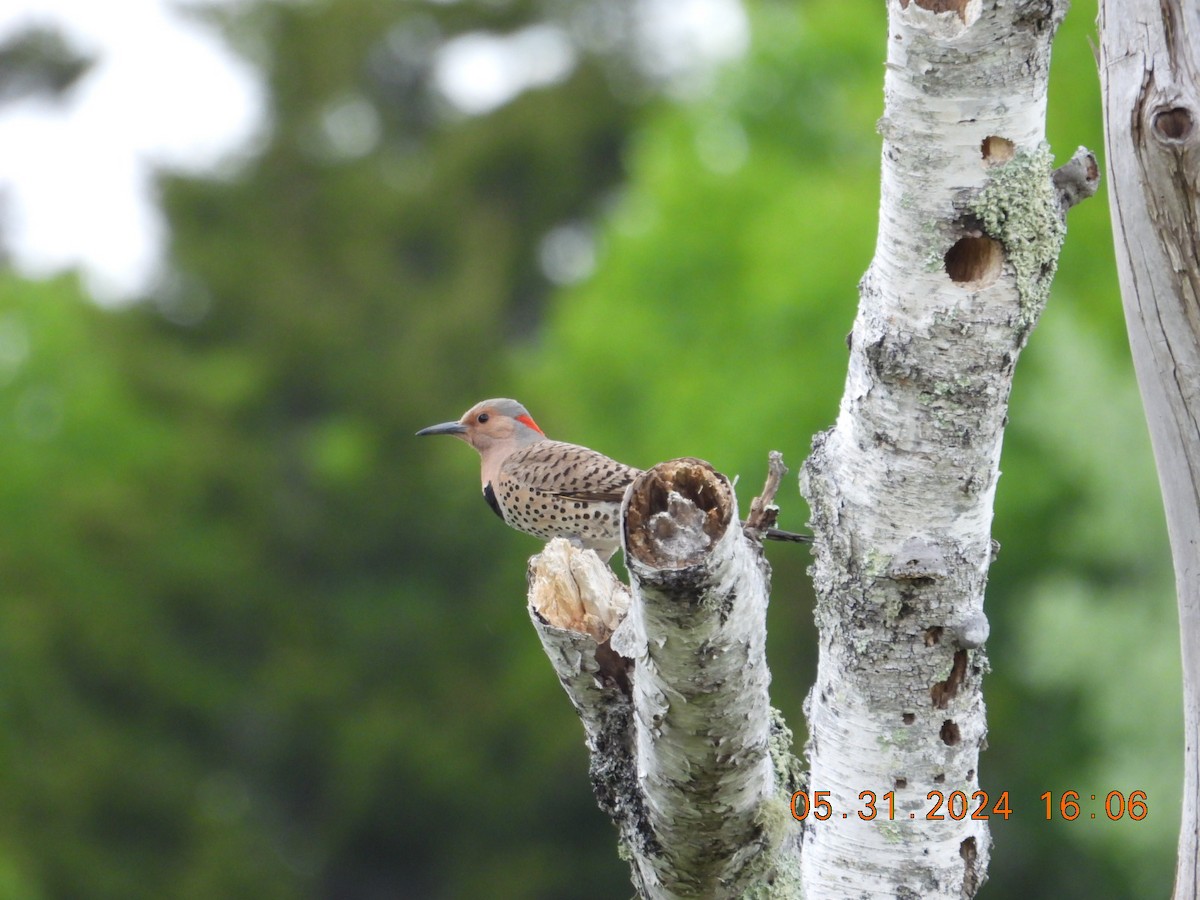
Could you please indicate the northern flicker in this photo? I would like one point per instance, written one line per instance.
(548, 488)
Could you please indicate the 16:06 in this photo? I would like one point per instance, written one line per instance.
(1116, 805)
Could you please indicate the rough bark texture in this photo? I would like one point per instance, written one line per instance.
(687, 755)
(697, 637)
(901, 489)
(575, 600)
(1150, 71)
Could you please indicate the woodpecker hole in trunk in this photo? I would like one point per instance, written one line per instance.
(975, 261)
(997, 150)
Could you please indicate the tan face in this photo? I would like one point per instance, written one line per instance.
(491, 423)
(484, 426)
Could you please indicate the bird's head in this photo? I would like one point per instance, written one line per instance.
(492, 424)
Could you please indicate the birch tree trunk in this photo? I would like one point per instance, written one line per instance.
(688, 757)
(671, 680)
(901, 489)
(1150, 74)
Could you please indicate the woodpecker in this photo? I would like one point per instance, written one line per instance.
(548, 488)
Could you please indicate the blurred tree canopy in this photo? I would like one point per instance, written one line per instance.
(238, 599)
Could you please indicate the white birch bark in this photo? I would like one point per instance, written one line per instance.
(697, 635)
(1150, 74)
(901, 489)
(575, 602)
(687, 755)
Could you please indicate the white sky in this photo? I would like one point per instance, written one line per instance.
(76, 185)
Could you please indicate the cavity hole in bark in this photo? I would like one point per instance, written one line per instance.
(939, 778)
(996, 150)
(950, 734)
(975, 261)
(933, 636)
(908, 718)
(1173, 125)
(684, 497)
(900, 783)
(614, 669)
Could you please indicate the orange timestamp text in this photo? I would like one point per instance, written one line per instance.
(958, 805)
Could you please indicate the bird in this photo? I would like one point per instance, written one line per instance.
(547, 488)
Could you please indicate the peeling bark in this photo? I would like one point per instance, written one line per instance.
(1150, 74)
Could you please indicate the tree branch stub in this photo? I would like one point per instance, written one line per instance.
(687, 756)
(696, 633)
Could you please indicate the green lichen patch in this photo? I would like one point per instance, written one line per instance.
(776, 873)
(1019, 208)
(782, 883)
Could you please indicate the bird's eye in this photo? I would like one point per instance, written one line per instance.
(482, 417)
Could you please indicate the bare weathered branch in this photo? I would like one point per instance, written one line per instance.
(763, 511)
(1150, 74)
(574, 598)
(697, 635)
(687, 756)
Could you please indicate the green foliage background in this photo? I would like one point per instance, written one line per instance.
(256, 640)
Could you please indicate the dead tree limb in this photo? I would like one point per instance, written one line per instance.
(687, 754)
(1150, 76)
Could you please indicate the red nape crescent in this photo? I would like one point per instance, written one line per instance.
(528, 420)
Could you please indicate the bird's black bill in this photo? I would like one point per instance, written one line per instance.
(444, 428)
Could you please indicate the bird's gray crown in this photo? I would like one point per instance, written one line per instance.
(506, 407)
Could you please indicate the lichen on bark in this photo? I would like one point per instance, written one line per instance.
(1019, 207)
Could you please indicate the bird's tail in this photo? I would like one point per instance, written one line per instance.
(778, 534)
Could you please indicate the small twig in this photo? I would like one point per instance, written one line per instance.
(763, 511)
